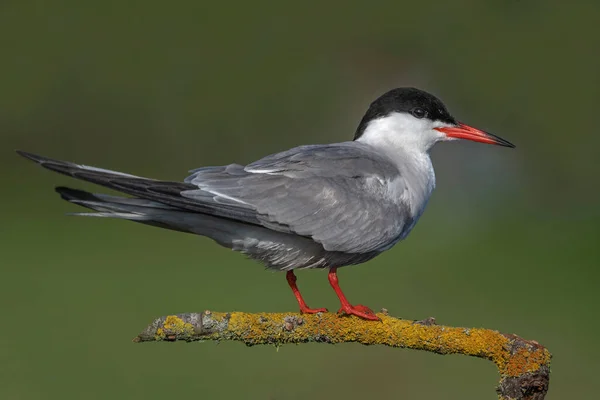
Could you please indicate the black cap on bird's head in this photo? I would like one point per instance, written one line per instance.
(421, 105)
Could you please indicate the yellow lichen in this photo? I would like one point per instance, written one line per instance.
(268, 328)
(512, 355)
(276, 328)
(525, 360)
(174, 325)
(160, 334)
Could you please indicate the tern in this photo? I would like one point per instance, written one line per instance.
(313, 206)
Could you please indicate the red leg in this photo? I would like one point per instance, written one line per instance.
(304, 309)
(358, 310)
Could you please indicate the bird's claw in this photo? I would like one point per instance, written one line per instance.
(360, 311)
(307, 310)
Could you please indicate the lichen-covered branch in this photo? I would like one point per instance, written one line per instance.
(524, 365)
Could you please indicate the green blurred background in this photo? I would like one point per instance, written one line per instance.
(509, 241)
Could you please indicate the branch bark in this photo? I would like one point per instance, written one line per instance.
(524, 365)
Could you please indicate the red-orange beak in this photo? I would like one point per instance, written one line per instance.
(463, 131)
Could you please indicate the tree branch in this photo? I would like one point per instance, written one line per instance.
(524, 366)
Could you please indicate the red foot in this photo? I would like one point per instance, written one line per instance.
(360, 311)
(306, 310)
(347, 308)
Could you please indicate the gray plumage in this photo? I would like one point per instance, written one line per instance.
(338, 195)
(309, 207)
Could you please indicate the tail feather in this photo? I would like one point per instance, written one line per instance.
(66, 168)
(81, 197)
(163, 192)
(107, 206)
(132, 209)
(127, 216)
(228, 233)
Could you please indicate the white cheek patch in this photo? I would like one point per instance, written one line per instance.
(402, 130)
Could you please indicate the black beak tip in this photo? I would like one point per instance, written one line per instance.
(501, 142)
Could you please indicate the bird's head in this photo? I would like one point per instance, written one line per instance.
(415, 120)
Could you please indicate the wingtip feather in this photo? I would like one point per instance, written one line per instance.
(30, 156)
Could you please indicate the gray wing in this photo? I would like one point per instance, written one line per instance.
(344, 196)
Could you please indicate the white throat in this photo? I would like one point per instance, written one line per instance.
(406, 140)
(403, 131)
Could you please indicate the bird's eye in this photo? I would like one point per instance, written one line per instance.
(418, 112)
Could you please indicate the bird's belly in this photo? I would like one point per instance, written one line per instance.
(297, 252)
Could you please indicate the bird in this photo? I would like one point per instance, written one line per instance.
(319, 206)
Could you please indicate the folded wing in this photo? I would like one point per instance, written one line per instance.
(338, 195)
